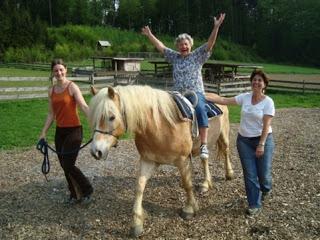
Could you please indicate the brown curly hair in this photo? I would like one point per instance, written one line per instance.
(261, 74)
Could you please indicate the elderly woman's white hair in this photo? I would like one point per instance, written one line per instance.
(184, 36)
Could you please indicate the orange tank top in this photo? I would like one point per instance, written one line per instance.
(65, 109)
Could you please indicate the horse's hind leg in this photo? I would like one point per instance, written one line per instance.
(224, 151)
(207, 183)
(191, 206)
(145, 172)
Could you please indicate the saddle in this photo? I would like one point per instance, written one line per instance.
(186, 104)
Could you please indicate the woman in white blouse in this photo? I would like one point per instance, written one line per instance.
(255, 141)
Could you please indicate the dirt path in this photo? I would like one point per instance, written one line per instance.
(31, 208)
(296, 77)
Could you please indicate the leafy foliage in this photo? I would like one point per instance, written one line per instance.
(282, 31)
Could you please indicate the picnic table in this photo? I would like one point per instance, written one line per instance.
(220, 71)
(161, 66)
(214, 70)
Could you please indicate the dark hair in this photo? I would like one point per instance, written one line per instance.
(57, 61)
(262, 74)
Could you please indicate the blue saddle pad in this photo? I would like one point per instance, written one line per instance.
(186, 112)
(184, 108)
(213, 110)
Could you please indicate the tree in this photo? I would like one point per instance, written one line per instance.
(128, 13)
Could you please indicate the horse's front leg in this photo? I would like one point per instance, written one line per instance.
(145, 172)
(191, 206)
(207, 183)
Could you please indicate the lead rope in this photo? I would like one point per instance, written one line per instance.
(43, 147)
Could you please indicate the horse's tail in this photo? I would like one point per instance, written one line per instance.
(222, 144)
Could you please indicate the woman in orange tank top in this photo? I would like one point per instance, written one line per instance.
(64, 97)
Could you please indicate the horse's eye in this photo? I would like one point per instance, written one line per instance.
(112, 118)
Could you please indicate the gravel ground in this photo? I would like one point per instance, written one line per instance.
(32, 208)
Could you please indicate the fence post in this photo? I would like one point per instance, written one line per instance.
(51, 79)
(91, 79)
(219, 85)
(303, 86)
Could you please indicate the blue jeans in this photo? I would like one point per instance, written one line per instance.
(201, 110)
(256, 171)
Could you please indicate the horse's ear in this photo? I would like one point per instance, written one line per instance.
(93, 90)
(111, 92)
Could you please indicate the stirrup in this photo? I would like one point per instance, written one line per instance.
(191, 94)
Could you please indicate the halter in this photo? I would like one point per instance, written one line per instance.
(106, 132)
(124, 120)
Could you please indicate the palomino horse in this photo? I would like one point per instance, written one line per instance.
(160, 137)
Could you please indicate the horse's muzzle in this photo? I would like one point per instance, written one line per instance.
(98, 155)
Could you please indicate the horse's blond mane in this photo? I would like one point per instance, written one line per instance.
(139, 104)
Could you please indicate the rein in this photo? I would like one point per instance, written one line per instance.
(43, 147)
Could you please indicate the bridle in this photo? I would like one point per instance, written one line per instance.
(106, 132)
(110, 133)
(124, 119)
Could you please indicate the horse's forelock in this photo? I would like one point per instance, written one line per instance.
(101, 106)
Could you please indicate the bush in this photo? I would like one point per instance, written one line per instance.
(62, 51)
(36, 53)
(74, 42)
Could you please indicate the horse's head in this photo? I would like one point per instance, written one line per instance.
(106, 121)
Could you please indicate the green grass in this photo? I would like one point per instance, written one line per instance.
(24, 83)
(16, 72)
(22, 121)
(290, 100)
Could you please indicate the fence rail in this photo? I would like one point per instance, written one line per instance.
(295, 86)
(30, 92)
(32, 66)
(229, 88)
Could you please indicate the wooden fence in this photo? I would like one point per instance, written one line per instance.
(40, 85)
(231, 87)
(295, 86)
(29, 66)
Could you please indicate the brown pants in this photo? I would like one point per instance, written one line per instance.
(68, 140)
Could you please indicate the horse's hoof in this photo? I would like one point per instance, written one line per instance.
(186, 215)
(229, 177)
(203, 190)
(136, 231)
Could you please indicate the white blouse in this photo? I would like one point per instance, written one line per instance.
(251, 123)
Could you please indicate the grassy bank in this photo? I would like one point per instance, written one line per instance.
(22, 121)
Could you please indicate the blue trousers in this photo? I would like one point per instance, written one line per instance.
(257, 172)
(201, 110)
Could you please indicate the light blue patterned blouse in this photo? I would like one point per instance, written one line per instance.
(187, 70)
